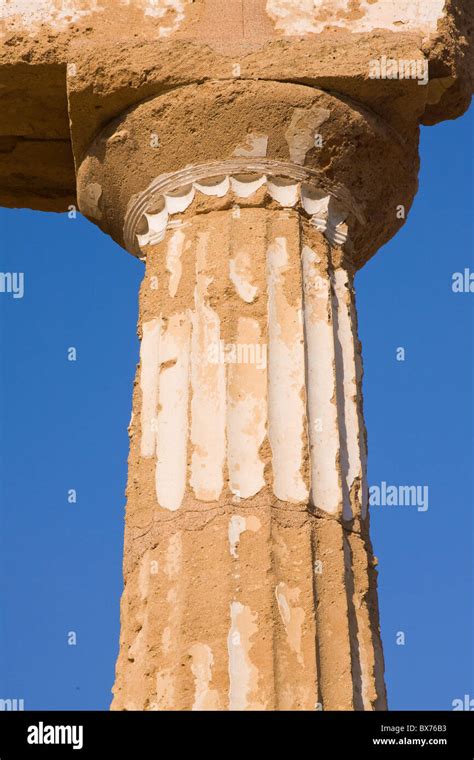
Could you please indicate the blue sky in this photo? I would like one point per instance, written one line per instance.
(64, 426)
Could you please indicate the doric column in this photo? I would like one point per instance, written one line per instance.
(249, 575)
(183, 131)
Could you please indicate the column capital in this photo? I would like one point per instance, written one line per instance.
(210, 146)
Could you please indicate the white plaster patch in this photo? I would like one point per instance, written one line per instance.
(208, 405)
(286, 373)
(162, 9)
(174, 251)
(166, 640)
(237, 525)
(292, 617)
(149, 371)
(245, 185)
(240, 273)
(156, 228)
(302, 129)
(30, 14)
(205, 698)
(254, 145)
(315, 202)
(243, 675)
(178, 201)
(300, 17)
(283, 191)
(170, 636)
(321, 387)
(216, 186)
(354, 466)
(327, 214)
(173, 556)
(246, 417)
(89, 201)
(172, 419)
(164, 690)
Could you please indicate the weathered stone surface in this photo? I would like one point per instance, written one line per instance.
(255, 154)
(86, 49)
(360, 159)
(250, 577)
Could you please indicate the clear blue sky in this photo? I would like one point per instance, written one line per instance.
(64, 426)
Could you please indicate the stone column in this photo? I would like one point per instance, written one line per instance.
(181, 128)
(250, 582)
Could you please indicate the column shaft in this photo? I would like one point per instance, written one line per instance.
(249, 578)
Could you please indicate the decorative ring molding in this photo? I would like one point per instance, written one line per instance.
(290, 185)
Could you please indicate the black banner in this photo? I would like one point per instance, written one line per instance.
(92, 734)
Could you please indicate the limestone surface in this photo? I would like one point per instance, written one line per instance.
(254, 154)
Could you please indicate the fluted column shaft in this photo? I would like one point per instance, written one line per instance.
(249, 576)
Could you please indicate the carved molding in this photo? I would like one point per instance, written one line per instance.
(327, 206)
